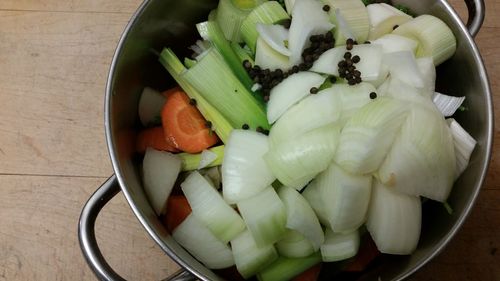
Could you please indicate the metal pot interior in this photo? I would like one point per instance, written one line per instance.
(171, 23)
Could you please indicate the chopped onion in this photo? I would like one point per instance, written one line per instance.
(275, 36)
(300, 216)
(403, 66)
(447, 105)
(150, 106)
(428, 71)
(313, 196)
(244, 172)
(202, 244)
(339, 246)
(250, 258)
(392, 43)
(383, 19)
(294, 245)
(267, 57)
(160, 170)
(394, 220)
(207, 157)
(209, 207)
(464, 145)
(343, 27)
(265, 216)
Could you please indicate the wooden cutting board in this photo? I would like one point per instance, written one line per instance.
(54, 58)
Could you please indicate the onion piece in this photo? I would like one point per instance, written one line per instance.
(250, 258)
(394, 220)
(447, 105)
(294, 245)
(464, 145)
(275, 36)
(150, 106)
(339, 246)
(207, 157)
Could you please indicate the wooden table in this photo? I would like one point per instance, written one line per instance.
(54, 58)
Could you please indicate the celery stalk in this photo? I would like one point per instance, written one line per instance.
(287, 268)
(174, 66)
(215, 81)
(243, 54)
(191, 161)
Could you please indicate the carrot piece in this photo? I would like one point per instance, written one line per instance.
(366, 254)
(309, 275)
(155, 138)
(169, 92)
(177, 210)
(185, 126)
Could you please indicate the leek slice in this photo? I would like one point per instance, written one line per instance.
(312, 112)
(265, 216)
(447, 105)
(345, 196)
(150, 106)
(435, 37)
(174, 66)
(368, 135)
(244, 172)
(242, 53)
(294, 245)
(394, 220)
(308, 19)
(268, 58)
(211, 31)
(230, 16)
(313, 196)
(160, 170)
(193, 161)
(383, 19)
(299, 160)
(284, 269)
(301, 217)
(275, 36)
(392, 43)
(343, 30)
(250, 258)
(209, 207)
(355, 16)
(199, 241)
(422, 159)
(464, 145)
(290, 91)
(369, 66)
(215, 81)
(339, 246)
(269, 12)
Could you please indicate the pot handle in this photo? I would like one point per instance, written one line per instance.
(477, 12)
(88, 242)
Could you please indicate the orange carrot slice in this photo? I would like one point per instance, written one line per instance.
(169, 92)
(155, 138)
(185, 126)
(177, 210)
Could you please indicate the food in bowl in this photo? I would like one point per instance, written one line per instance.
(320, 124)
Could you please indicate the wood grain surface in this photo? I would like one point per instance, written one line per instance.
(54, 58)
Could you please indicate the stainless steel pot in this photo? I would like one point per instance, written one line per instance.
(159, 23)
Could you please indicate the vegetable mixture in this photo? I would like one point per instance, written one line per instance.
(302, 132)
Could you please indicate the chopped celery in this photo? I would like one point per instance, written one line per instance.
(229, 16)
(210, 30)
(192, 161)
(242, 53)
(215, 81)
(175, 67)
(287, 268)
(268, 13)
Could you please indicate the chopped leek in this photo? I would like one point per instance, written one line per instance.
(175, 68)
(301, 217)
(464, 144)
(215, 81)
(244, 172)
(294, 245)
(230, 14)
(447, 105)
(299, 160)
(368, 135)
(269, 12)
(284, 269)
(250, 258)
(356, 18)
(345, 197)
(202, 244)
(339, 246)
(435, 38)
(394, 220)
(421, 161)
(265, 216)
(193, 161)
(242, 53)
(383, 19)
(210, 208)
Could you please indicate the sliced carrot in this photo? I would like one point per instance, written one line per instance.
(155, 138)
(177, 210)
(366, 254)
(184, 125)
(309, 275)
(169, 92)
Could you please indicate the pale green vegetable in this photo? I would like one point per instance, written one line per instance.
(284, 269)
(339, 246)
(294, 245)
(193, 161)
